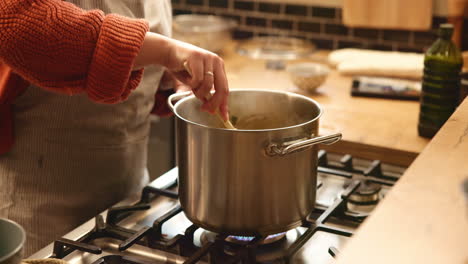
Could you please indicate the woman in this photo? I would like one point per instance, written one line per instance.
(74, 156)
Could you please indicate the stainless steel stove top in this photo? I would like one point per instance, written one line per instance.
(153, 229)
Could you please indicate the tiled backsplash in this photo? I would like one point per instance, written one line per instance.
(321, 25)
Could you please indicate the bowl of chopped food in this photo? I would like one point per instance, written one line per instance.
(308, 76)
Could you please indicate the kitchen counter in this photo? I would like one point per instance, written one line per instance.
(372, 128)
(424, 218)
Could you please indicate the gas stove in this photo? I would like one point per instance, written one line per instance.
(152, 228)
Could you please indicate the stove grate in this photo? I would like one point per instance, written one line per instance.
(213, 251)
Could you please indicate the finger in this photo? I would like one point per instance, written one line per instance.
(207, 85)
(224, 109)
(219, 99)
(196, 68)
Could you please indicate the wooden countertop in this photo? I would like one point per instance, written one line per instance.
(372, 128)
(424, 218)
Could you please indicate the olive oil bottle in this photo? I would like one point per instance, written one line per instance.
(441, 83)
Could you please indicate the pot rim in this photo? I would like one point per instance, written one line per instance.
(181, 101)
(21, 244)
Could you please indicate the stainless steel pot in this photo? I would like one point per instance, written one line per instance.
(249, 181)
(12, 238)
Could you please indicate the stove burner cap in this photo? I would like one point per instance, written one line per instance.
(367, 193)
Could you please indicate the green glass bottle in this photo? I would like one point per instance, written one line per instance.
(441, 83)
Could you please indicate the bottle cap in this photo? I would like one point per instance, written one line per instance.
(446, 31)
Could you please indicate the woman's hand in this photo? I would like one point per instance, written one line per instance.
(203, 70)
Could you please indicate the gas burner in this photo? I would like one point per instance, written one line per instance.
(368, 193)
(244, 240)
(208, 236)
(270, 250)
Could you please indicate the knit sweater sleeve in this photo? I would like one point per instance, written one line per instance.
(62, 48)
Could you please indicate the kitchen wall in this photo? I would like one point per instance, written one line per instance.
(321, 25)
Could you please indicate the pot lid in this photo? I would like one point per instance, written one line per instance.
(276, 48)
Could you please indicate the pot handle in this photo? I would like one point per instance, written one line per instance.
(176, 97)
(280, 150)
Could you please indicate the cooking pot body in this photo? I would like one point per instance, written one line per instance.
(231, 181)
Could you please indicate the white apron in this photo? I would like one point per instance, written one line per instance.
(73, 158)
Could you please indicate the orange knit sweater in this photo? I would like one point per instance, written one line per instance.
(62, 48)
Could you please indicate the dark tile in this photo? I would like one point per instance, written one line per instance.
(269, 8)
(299, 37)
(218, 3)
(282, 24)
(322, 43)
(194, 2)
(336, 29)
(243, 5)
(267, 34)
(323, 12)
(233, 17)
(410, 49)
(204, 13)
(376, 46)
(366, 33)
(297, 10)
(396, 35)
(256, 21)
(436, 21)
(309, 27)
(176, 11)
(424, 37)
(350, 44)
(242, 34)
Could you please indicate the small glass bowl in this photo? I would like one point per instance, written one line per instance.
(308, 76)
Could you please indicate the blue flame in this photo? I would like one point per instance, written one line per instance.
(250, 238)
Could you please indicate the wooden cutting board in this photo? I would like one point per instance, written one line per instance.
(388, 14)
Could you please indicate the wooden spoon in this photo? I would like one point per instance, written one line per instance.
(227, 124)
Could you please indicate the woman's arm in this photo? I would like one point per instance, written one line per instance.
(62, 48)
